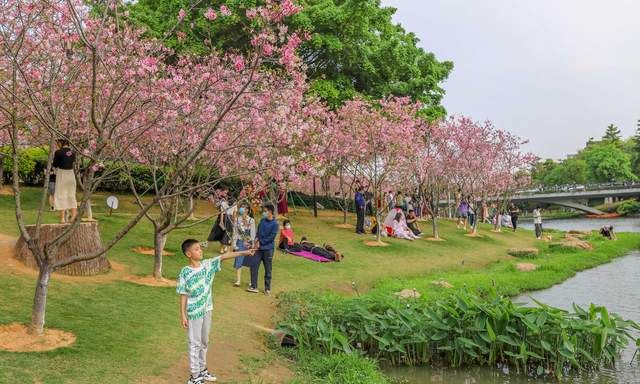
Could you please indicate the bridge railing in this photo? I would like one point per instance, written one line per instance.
(577, 188)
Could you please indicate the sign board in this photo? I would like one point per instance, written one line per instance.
(112, 202)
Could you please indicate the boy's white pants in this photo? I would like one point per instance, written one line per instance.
(198, 333)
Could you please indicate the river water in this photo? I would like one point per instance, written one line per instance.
(615, 285)
(620, 224)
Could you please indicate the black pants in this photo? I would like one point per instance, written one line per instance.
(360, 221)
(514, 222)
(414, 228)
(538, 230)
(266, 257)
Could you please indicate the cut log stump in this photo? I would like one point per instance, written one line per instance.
(86, 239)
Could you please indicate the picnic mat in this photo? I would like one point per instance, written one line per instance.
(311, 256)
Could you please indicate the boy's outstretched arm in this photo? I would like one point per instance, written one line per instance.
(183, 311)
(233, 255)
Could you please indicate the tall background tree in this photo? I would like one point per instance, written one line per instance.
(612, 134)
(354, 48)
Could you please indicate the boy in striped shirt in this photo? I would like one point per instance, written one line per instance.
(196, 303)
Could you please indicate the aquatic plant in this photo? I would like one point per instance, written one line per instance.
(459, 329)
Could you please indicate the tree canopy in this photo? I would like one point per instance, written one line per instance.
(354, 47)
(610, 159)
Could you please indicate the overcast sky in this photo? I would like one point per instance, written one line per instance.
(553, 71)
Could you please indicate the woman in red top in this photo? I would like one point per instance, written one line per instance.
(286, 236)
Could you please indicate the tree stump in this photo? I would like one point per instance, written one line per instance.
(85, 239)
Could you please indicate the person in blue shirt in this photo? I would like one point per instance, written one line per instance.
(361, 204)
(265, 245)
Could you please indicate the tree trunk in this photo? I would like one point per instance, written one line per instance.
(89, 210)
(85, 239)
(40, 300)
(345, 209)
(159, 241)
(192, 213)
(1, 170)
(434, 205)
(375, 196)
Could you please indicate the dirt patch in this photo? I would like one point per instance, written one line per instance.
(523, 252)
(526, 267)
(277, 372)
(6, 190)
(571, 243)
(150, 251)
(16, 338)
(576, 232)
(431, 238)
(375, 243)
(345, 226)
(150, 281)
(408, 293)
(442, 283)
(473, 235)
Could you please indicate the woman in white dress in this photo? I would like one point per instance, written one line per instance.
(64, 197)
(400, 229)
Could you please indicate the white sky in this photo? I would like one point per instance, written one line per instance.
(553, 71)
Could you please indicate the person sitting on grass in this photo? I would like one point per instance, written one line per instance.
(412, 223)
(194, 287)
(607, 232)
(400, 229)
(388, 221)
(286, 236)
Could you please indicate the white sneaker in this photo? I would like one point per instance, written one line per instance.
(195, 380)
(207, 376)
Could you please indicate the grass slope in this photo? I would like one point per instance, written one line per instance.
(128, 333)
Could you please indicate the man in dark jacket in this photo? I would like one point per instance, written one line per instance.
(265, 243)
(360, 209)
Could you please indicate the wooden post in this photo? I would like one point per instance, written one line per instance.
(315, 203)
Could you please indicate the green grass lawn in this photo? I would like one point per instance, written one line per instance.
(128, 333)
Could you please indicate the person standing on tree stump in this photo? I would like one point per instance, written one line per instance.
(64, 197)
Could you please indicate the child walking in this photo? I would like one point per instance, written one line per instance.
(196, 304)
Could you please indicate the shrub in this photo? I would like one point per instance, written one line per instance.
(629, 207)
(523, 253)
(458, 330)
(339, 368)
(31, 165)
(335, 203)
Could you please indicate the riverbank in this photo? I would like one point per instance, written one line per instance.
(504, 277)
(129, 333)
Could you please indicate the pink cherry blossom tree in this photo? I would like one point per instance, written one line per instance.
(66, 74)
(484, 160)
(378, 131)
(88, 77)
(226, 113)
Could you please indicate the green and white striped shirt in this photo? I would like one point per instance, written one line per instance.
(196, 283)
